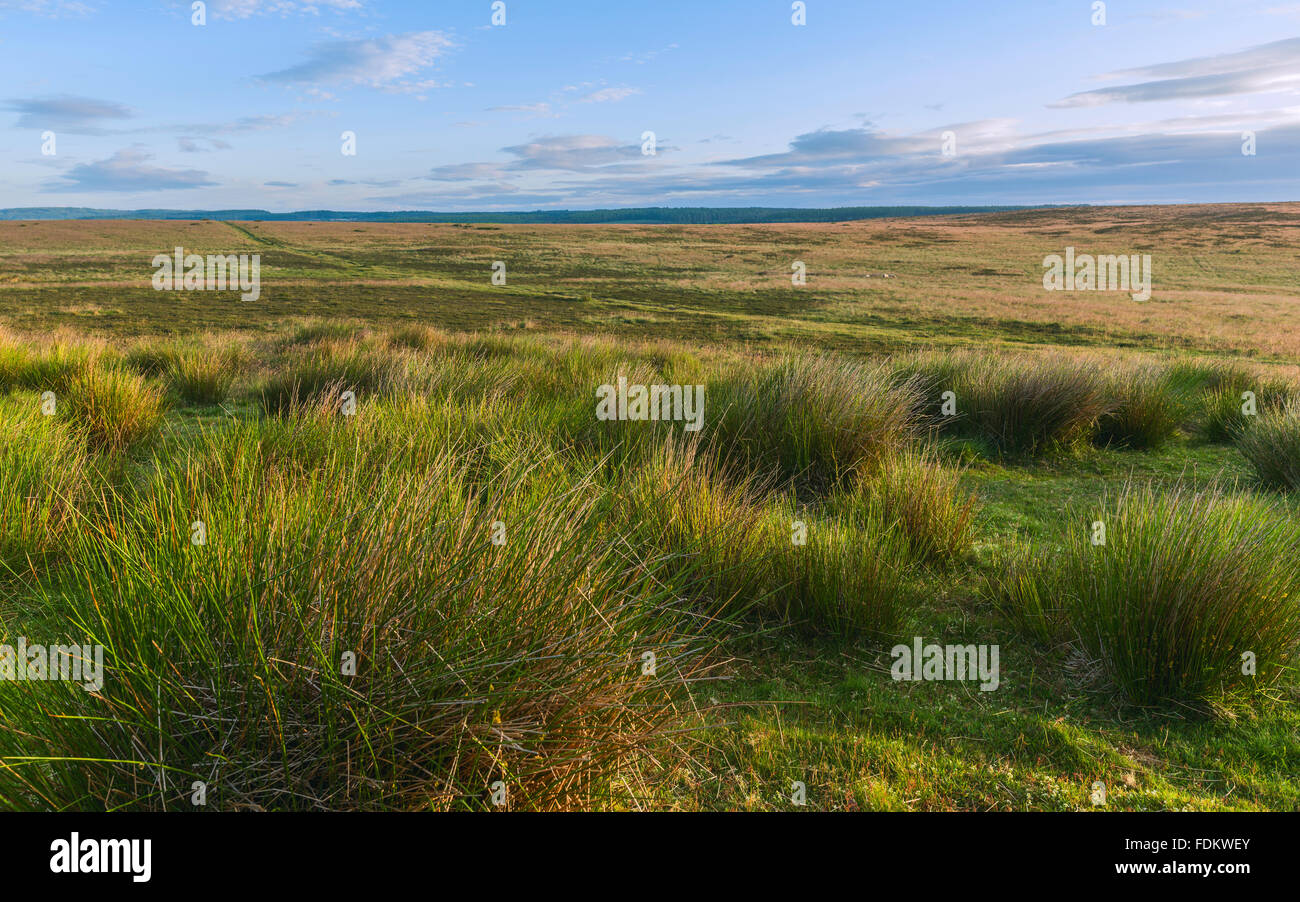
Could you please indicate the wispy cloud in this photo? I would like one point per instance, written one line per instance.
(52, 8)
(372, 183)
(610, 95)
(386, 62)
(1267, 67)
(200, 145)
(553, 153)
(466, 172)
(647, 56)
(127, 170)
(532, 109)
(243, 9)
(575, 153)
(244, 124)
(67, 113)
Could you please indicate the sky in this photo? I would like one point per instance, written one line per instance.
(133, 105)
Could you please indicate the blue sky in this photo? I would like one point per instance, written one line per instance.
(548, 111)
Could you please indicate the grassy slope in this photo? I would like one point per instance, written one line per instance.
(821, 711)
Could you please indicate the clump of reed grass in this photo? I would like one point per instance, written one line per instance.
(848, 577)
(813, 418)
(680, 504)
(1223, 413)
(1187, 587)
(742, 551)
(1272, 446)
(1219, 400)
(416, 337)
(1024, 586)
(1025, 406)
(1016, 405)
(332, 369)
(707, 496)
(46, 367)
(202, 377)
(923, 498)
(114, 408)
(1145, 411)
(152, 358)
(352, 639)
(44, 474)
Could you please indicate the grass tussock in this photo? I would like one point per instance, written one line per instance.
(1226, 397)
(114, 408)
(850, 578)
(328, 369)
(154, 359)
(817, 419)
(923, 498)
(1272, 446)
(1146, 409)
(1019, 406)
(416, 337)
(44, 473)
(45, 367)
(201, 377)
(741, 550)
(381, 649)
(1186, 586)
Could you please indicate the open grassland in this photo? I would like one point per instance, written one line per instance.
(1225, 279)
(498, 562)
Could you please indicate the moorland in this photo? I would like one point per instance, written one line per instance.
(365, 543)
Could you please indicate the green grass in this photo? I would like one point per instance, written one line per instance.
(114, 408)
(44, 476)
(1168, 602)
(371, 531)
(1272, 445)
(474, 661)
(812, 418)
(1146, 410)
(1022, 407)
(923, 498)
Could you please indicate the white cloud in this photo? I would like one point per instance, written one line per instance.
(577, 153)
(384, 62)
(67, 112)
(1264, 68)
(51, 8)
(244, 9)
(608, 95)
(127, 170)
(535, 109)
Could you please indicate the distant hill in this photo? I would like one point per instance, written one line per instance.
(637, 215)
